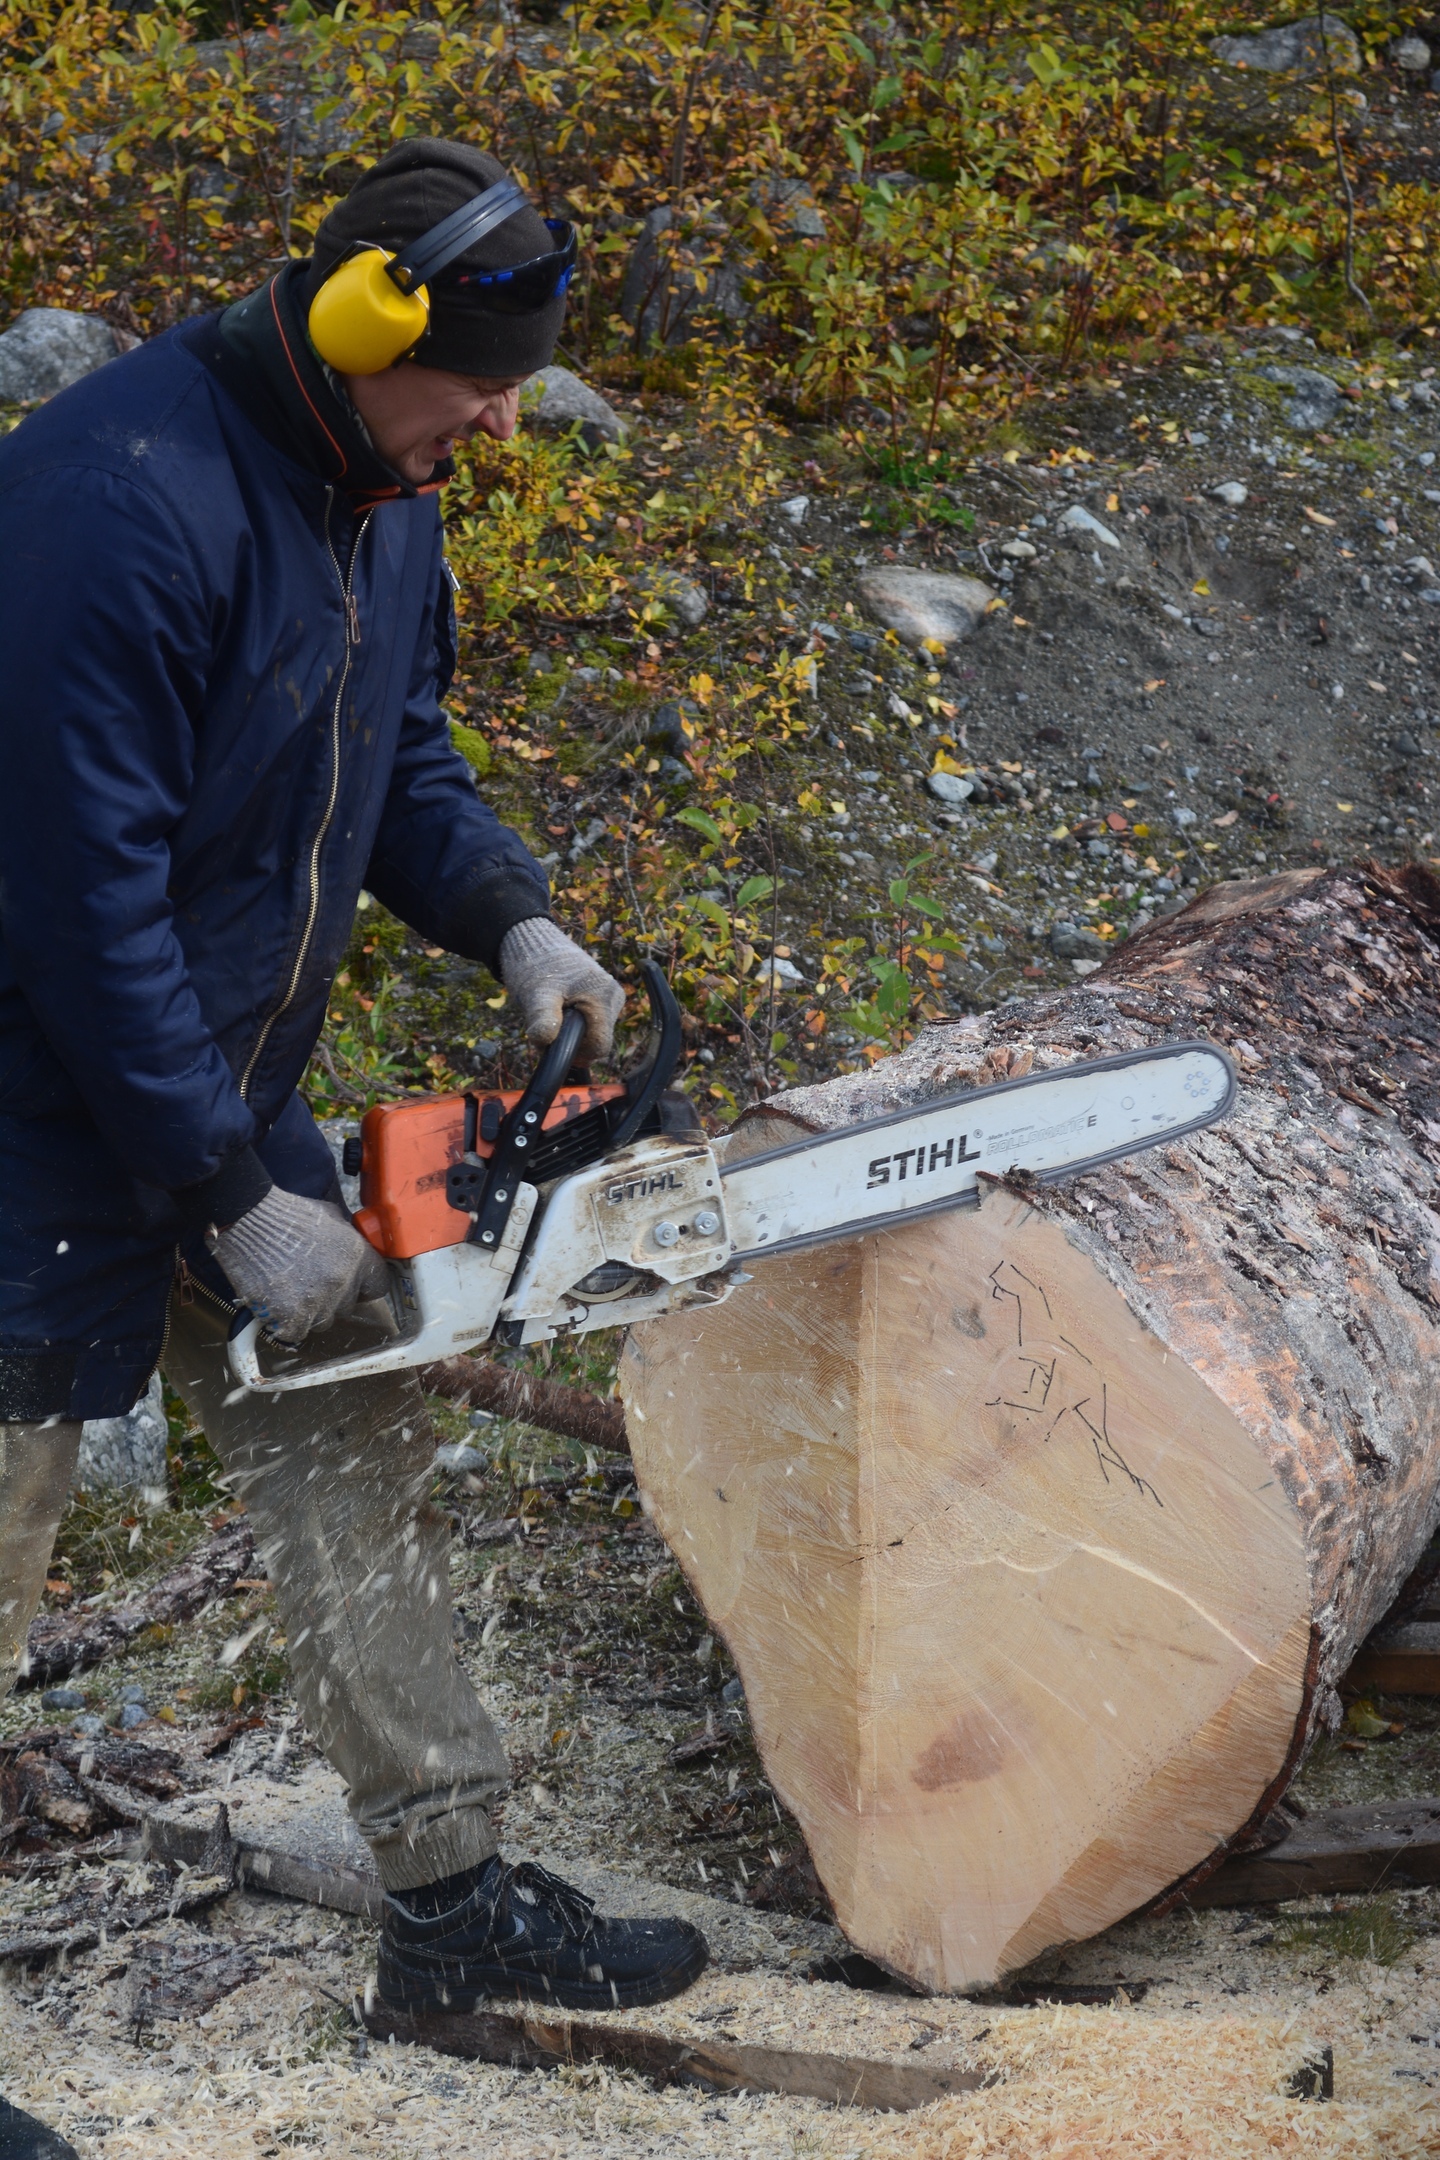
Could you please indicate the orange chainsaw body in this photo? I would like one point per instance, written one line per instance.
(408, 1148)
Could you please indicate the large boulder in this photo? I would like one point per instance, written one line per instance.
(926, 608)
(554, 398)
(48, 348)
(1293, 48)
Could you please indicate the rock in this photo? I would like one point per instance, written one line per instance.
(923, 607)
(554, 398)
(1020, 551)
(46, 349)
(1294, 48)
(667, 726)
(897, 708)
(131, 1715)
(1316, 396)
(1069, 943)
(1232, 493)
(1423, 393)
(660, 295)
(127, 1454)
(1411, 53)
(950, 788)
(458, 1458)
(1182, 818)
(680, 595)
(61, 1698)
(794, 207)
(1404, 745)
(796, 509)
(1078, 519)
(1085, 967)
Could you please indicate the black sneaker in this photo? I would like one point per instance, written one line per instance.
(520, 1931)
(23, 2138)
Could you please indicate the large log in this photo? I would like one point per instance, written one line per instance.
(1041, 1535)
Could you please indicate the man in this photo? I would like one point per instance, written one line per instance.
(228, 626)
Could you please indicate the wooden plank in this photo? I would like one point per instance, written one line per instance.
(529, 2038)
(1381, 1845)
(1399, 1660)
(300, 1868)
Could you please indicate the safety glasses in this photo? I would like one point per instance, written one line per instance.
(525, 287)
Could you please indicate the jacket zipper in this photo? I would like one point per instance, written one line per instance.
(190, 1286)
(346, 581)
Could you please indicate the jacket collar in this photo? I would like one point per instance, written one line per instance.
(260, 352)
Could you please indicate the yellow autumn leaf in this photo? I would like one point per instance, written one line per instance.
(1112, 501)
(1201, 586)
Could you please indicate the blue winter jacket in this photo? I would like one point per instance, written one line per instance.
(226, 629)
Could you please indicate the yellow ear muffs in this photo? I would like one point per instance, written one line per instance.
(360, 320)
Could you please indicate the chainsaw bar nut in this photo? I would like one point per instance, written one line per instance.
(707, 1222)
(666, 1233)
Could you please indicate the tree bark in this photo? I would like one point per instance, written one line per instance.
(59, 1644)
(1042, 1535)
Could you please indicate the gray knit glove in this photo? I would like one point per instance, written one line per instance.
(298, 1264)
(547, 971)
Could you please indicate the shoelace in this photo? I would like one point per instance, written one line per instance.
(574, 1911)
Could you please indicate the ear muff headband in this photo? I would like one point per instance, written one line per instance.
(374, 306)
(435, 250)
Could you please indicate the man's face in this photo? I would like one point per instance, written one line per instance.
(416, 415)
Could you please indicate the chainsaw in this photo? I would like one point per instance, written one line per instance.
(519, 1216)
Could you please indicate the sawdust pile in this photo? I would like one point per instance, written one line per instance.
(1097, 2083)
(1079, 2084)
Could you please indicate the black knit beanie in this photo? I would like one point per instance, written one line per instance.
(407, 192)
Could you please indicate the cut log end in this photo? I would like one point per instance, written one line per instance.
(966, 1463)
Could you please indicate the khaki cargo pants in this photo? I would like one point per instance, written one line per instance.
(336, 1482)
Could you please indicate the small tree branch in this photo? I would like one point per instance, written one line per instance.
(682, 125)
(555, 1408)
(1351, 286)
